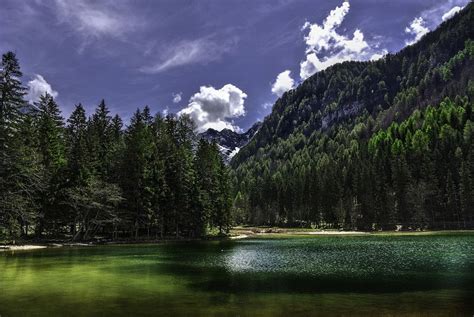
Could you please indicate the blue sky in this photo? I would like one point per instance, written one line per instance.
(224, 62)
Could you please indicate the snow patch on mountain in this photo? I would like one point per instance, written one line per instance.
(230, 142)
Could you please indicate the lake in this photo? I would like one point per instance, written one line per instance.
(407, 275)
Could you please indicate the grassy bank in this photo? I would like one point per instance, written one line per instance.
(254, 231)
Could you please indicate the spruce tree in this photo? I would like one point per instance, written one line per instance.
(14, 176)
(51, 148)
(78, 165)
(135, 166)
(50, 133)
(205, 182)
(223, 212)
(185, 194)
(100, 135)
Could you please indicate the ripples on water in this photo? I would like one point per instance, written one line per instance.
(328, 275)
(345, 255)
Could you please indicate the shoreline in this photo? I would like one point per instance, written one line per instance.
(237, 233)
(249, 232)
(40, 245)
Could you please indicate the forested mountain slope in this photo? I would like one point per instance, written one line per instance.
(311, 161)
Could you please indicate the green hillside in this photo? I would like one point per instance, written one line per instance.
(358, 146)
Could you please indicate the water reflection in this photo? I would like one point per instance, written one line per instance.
(294, 276)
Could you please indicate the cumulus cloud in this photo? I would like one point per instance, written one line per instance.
(177, 97)
(201, 51)
(451, 13)
(283, 83)
(326, 47)
(429, 19)
(37, 87)
(213, 108)
(418, 28)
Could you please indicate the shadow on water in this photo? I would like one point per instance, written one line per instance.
(311, 266)
(333, 264)
(275, 276)
(220, 280)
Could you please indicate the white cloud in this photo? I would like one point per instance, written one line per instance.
(283, 83)
(94, 20)
(418, 28)
(212, 108)
(326, 47)
(165, 111)
(320, 36)
(379, 55)
(451, 13)
(37, 87)
(441, 11)
(177, 97)
(201, 51)
(429, 19)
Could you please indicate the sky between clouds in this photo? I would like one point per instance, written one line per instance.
(222, 62)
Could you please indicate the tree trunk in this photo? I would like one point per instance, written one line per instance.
(162, 225)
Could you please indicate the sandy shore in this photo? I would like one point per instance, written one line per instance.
(240, 236)
(249, 232)
(21, 247)
(243, 233)
(25, 247)
(330, 233)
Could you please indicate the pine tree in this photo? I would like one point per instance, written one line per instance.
(30, 166)
(466, 193)
(205, 166)
(50, 133)
(117, 147)
(156, 180)
(100, 134)
(78, 165)
(14, 176)
(51, 148)
(401, 181)
(222, 217)
(11, 100)
(136, 177)
(185, 174)
(450, 201)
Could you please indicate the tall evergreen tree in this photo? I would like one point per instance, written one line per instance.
(78, 164)
(100, 137)
(51, 148)
(14, 178)
(135, 166)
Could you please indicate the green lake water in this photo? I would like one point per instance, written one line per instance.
(430, 275)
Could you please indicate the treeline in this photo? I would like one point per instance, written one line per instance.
(89, 177)
(418, 174)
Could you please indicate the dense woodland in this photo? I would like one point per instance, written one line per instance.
(358, 146)
(89, 177)
(361, 145)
